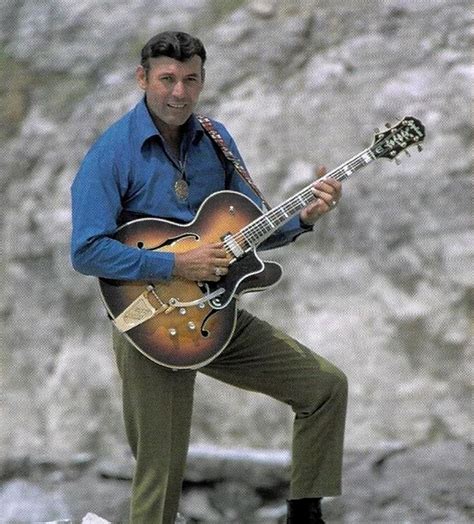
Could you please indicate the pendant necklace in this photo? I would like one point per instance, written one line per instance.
(181, 186)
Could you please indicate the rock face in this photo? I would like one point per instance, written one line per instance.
(382, 287)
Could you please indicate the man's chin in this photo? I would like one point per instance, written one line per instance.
(177, 120)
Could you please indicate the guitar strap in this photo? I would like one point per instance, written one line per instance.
(241, 170)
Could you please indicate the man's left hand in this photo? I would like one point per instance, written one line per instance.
(328, 193)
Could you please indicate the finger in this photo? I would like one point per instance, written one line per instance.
(216, 245)
(220, 262)
(315, 208)
(219, 253)
(333, 187)
(219, 275)
(336, 184)
(323, 195)
(328, 186)
(216, 273)
(321, 171)
(218, 249)
(330, 196)
(324, 203)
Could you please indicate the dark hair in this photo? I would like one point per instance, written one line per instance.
(175, 44)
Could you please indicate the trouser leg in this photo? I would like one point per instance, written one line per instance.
(263, 359)
(157, 407)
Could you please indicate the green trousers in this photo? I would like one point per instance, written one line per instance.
(157, 405)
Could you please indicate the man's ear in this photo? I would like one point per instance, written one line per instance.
(203, 75)
(141, 76)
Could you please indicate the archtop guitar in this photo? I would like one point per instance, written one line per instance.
(185, 324)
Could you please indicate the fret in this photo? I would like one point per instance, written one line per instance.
(269, 221)
(263, 227)
(246, 238)
(366, 157)
(279, 214)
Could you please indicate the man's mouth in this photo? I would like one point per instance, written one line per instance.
(176, 106)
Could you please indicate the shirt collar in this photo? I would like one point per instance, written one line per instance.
(146, 129)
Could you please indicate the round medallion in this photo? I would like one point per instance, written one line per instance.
(181, 188)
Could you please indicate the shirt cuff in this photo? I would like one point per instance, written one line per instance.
(306, 227)
(158, 265)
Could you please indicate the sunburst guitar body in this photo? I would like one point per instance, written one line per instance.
(186, 328)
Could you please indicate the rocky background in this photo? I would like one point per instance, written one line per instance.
(383, 287)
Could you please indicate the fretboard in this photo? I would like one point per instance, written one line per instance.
(264, 226)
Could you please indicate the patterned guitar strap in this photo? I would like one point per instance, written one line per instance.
(241, 170)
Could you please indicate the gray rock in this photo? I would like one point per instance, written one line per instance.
(92, 518)
(424, 483)
(23, 500)
(263, 468)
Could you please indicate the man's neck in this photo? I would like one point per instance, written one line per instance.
(171, 135)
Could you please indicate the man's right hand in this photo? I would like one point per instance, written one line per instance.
(207, 262)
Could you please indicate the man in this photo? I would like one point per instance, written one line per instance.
(158, 161)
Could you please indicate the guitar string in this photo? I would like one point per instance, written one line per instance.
(257, 229)
(254, 230)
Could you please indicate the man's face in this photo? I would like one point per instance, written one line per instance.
(172, 88)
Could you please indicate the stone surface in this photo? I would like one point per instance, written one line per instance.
(92, 518)
(383, 287)
(423, 484)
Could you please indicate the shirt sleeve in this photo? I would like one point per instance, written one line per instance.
(288, 232)
(97, 193)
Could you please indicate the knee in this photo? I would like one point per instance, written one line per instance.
(327, 391)
(335, 387)
(340, 386)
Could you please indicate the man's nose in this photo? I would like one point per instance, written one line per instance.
(179, 90)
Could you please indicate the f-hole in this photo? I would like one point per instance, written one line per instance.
(169, 241)
(204, 332)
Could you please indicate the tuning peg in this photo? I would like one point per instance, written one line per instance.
(419, 148)
(376, 130)
(388, 126)
(398, 161)
(407, 153)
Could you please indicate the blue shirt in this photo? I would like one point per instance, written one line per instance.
(129, 169)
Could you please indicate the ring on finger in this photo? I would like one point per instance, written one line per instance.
(218, 272)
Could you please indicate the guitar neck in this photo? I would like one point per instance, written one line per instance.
(264, 226)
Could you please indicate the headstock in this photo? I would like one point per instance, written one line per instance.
(407, 132)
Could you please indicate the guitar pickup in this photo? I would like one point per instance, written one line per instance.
(231, 244)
